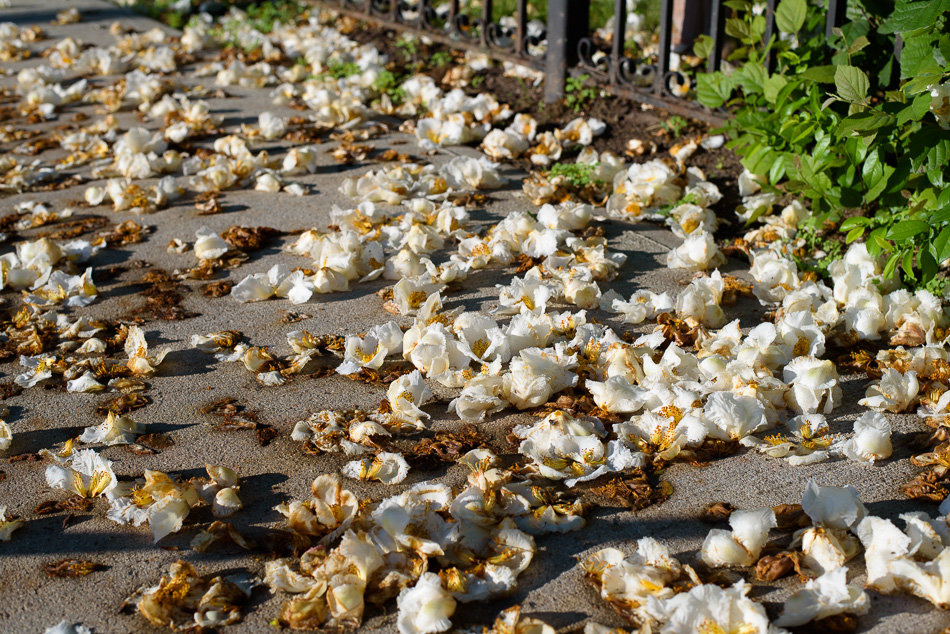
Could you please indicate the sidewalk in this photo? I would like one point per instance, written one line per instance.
(551, 589)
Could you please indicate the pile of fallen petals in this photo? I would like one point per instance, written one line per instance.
(687, 385)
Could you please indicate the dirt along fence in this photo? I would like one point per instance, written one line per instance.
(640, 49)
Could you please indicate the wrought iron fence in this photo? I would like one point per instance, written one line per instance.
(564, 44)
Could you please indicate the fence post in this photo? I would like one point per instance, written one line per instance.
(717, 25)
(665, 44)
(836, 14)
(568, 22)
(486, 24)
(620, 36)
(521, 31)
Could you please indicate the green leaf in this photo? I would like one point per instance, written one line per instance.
(922, 83)
(760, 160)
(738, 5)
(751, 77)
(772, 86)
(935, 176)
(820, 74)
(872, 170)
(854, 234)
(941, 245)
(758, 28)
(941, 216)
(943, 49)
(739, 29)
(928, 265)
(908, 16)
(852, 84)
(921, 105)
(803, 132)
(856, 150)
(866, 121)
(878, 188)
(858, 44)
(891, 265)
(939, 155)
(777, 172)
(713, 90)
(790, 15)
(854, 221)
(877, 241)
(908, 264)
(907, 229)
(917, 57)
(703, 46)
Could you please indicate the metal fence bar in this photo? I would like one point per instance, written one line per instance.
(423, 19)
(836, 14)
(717, 23)
(665, 44)
(555, 62)
(453, 16)
(485, 26)
(620, 37)
(521, 30)
(565, 30)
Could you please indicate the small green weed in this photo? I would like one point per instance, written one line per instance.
(440, 59)
(387, 83)
(264, 16)
(409, 46)
(339, 70)
(578, 96)
(577, 175)
(674, 126)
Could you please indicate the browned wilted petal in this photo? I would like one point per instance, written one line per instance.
(248, 238)
(156, 441)
(713, 449)
(8, 390)
(636, 492)
(208, 207)
(265, 434)
(772, 567)
(219, 532)
(26, 457)
(140, 450)
(128, 232)
(75, 228)
(217, 289)
(76, 503)
(234, 424)
(910, 335)
(924, 488)
(716, 512)
(790, 517)
(65, 568)
(293, 316)
(226, 406)
(122, 404)
(47, 507)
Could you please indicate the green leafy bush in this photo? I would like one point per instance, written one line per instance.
(848, 128)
